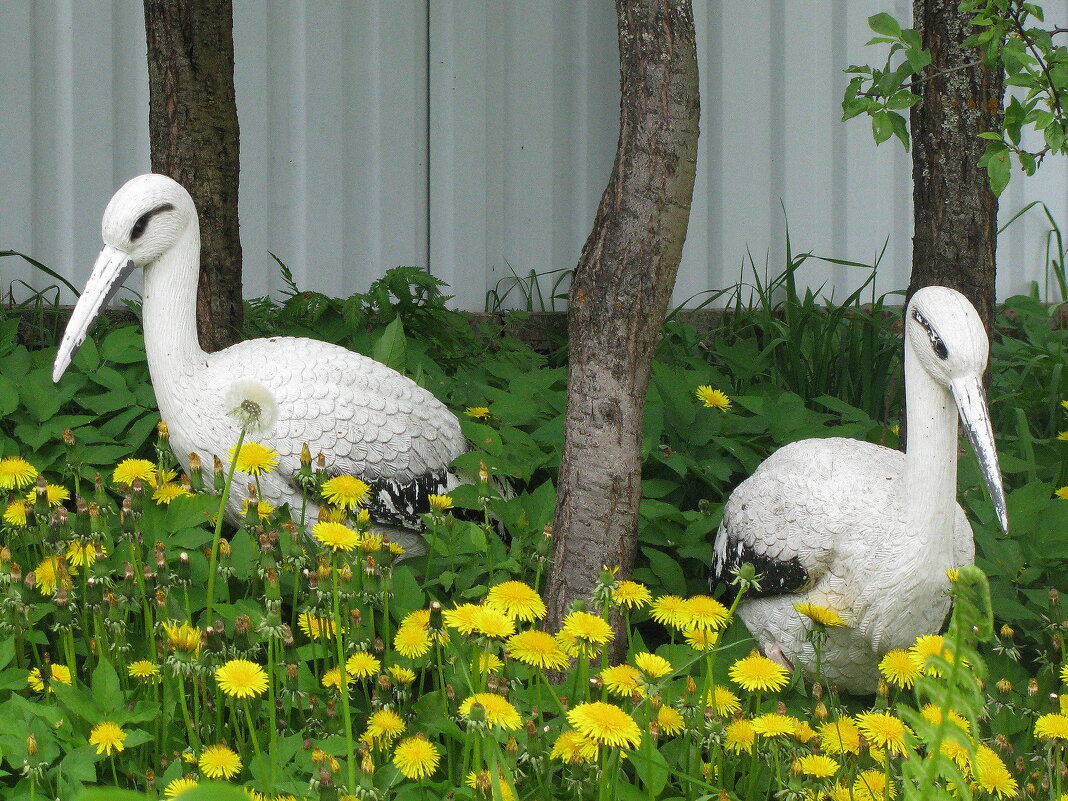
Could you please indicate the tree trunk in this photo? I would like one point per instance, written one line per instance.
(954, 210)
(619, 297)
(194, 136)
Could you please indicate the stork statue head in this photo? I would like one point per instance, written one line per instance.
(142, 222)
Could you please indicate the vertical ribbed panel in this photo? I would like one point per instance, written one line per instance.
(475, 139)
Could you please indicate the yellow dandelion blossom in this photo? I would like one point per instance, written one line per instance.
(462, 618)
(773, 724)
(143, 670)
(705, 613)
(538, 649)
(820, 614)
(416, 757)
(652, 665)
(840, 737)
(740, 736)
(1064, 674)
(346, 492)
(884, 730)
(219, 762)
(16, 473)
(177, 787)
(497, 710)
(336, 536)
(84, 554)
(263, 509)
(899, 668)
(492, 623)
(712, 398)
(701, 639)
(992, 775)
(622, 680)
(927, 646)
(107, 737)
(371, 542)
(723, 701)
(254, 458)
(803, 733)
(670, 610)
(517, 600)
(870, 785)
(439, 503)
(631, 594)
(574, 748)
(482, 782)
(362, 665)
(670, 721)
(605, 723)
(477, 412)
(583, 633)
(130, 470)
(818, 766)
(402, 675)
(54, 495)
(489, 663)
(933, 714)
(182, 637)
(59, 673)
(411, 641)
(1061, 492)
(1053, 726)
(383, 727)
(332, 678)
(756, 673)
(315, 627)
(16, 513)
(51, 573)
(169, 492)
(240, 678)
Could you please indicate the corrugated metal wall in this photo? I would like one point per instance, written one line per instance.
(473, 138)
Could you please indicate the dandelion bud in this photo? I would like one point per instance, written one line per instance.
(345, 573)
(367, 765)
(31, 579)
(161, 599)
(821, 711)
(1001, 742)
(1031, 789)
(450, 692)
(883, 689)
(1007, 631)
(5, 555)
(162, 431)
(691, 685)
(150, 777)
(111, 599)
(1004, 686)
(291, 671)
(320, 462)
(1054, 597)
(16, 572)
(547, 532)
(31, 744)
(62, 597)
(305, 456)
(1045, 784)
(331, 709)
(379, 646)
(483, 473)
(242, 624)
(780, 708)
(654, 729)
(530, 727)
(795, 767)
(1032, 687)
(817, 691)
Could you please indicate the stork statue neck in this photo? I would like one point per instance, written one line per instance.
(170, 306)
(930, 479)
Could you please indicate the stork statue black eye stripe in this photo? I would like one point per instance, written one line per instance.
(142, 221)
(939, 347)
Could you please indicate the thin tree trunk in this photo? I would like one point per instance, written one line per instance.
(954, 210)
(619, 296)
(194, 138)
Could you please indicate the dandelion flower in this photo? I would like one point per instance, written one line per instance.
(756, 673)
(60, 673)
(263, 509)
(574, 748)
(182, 637)
(362, 665)
(16, 513)
(712, 398)
(652, 665)
(631, 594)
(538, 649)
(933, 715)
(498, 711)
(347, 492)
(723, 701)
(489, 663)
(670, 721)
(411, 641)
(240, 678)
(870, 785)
(439, 503)
(701, 639)
(462, 618)
(219, 762)
(992, 775)
(669, 610)
(177, 787)
(144, 670)
(820, 614)
(705, 613)
(774, 725)
(402, 675)
(130, 470)
(583, 633)
(924, 648)
(169, 492)
(315, 627)
(517, 600)
(83, 554)
(16, 473)
(383, 727)
(840, 737)
(884, 730)
(332, 678)
(899, 668)
(416, 757)
(1061, 492)
(1053, 726)
(49, 574)
(818, 766)
(477, 412)
(622, 680)
(605, 723)
(1064, 674)
(254, 458)
(371, 542)
(492, 623)
(740, 736)
(336, 536)
(107, 737)
(482, 782)
(54, 495)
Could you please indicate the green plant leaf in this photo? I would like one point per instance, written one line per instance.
(391, 347)
(884, 25)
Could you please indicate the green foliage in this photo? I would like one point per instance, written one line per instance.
(1006, 39)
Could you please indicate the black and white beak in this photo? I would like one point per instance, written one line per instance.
(971, 404)
(111, 269)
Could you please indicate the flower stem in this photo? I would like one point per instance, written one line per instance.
(343, 682)
(213, 561)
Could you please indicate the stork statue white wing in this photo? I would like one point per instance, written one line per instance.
(866, 531)
(365, 418)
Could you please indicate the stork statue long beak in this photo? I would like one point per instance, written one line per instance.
(971, 403)
(111, 269)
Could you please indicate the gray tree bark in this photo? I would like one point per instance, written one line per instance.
(194, 138)
(954, 210)
(619, 296)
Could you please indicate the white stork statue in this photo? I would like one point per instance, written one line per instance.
(866, 531)
(366, 419)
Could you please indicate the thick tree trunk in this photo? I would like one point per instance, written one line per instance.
(954, 210)
(619, 296)
(194, 136)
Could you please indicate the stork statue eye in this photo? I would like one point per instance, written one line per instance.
(142, 222)
(937, 345)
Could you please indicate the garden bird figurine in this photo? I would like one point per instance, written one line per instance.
(866, 531)
(366, 419)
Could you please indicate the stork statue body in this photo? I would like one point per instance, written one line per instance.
(365, 418)
(863, 530)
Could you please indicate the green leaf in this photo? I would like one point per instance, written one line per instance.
(667, 570)
(885, 25)
(123, 346)
(105, 686)
(650, 766)
(391, 347)
(997, 170)
(9, 396)
(881, 126)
